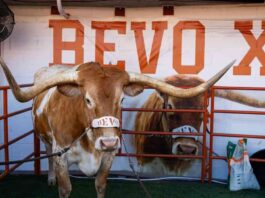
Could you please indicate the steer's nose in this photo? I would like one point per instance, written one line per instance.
(110, 143)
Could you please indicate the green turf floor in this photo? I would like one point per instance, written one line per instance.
(28, 186)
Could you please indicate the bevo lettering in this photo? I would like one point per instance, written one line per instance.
(59, 45)
(199, 47)
(149, 65)
(101, 46)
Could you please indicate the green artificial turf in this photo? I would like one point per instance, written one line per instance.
(29, 186)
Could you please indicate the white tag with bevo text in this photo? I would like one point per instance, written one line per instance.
(106, 121)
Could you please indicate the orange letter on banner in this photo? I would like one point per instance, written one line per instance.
(100, 27)
(255, 50)
(199, 47)
(59, 45)
(148, 67)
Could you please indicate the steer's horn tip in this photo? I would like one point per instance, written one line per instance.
(233, 62)
(230, 65)
(219, 75)
(225, 69)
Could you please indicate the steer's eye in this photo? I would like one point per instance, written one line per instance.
(169, 106)
(88, 101)
(122, 100)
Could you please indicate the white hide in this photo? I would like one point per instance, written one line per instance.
(45, 101)
(87, 162)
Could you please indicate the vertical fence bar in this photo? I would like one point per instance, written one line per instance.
(5, 113)
(37, 166)
(211, 136)
(121, 134)
(4, 118)
(204, 150)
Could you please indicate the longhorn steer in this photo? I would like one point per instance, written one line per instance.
(87, 97)
(176, 122)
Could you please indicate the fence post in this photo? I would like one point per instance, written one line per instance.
(5, 113)
(204, 140)
(36, 154)
(211, 136)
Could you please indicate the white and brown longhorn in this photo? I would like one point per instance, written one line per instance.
(87, 97)
(176, 122)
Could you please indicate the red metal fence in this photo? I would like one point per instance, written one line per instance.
(213, 133)
(208, 117)
(202, 157)
(6, 115)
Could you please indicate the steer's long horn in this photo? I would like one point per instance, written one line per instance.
(175, 91)
(240, 98)
(30, 92)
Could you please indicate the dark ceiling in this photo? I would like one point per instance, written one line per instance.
(129, 3)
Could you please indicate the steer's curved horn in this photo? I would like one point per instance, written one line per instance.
(30, 92)
(240, 98)
(175, 91)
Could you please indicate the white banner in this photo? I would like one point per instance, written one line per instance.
(145, 42)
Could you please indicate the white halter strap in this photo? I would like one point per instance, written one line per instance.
(185, 128)
(106, 122)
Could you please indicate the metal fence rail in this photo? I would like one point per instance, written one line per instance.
(213, 133)
(206, 157)
(202, 157)
(6, 115)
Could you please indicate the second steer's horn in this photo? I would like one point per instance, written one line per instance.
(30, 92)
(175, 91)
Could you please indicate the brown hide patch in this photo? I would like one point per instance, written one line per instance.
(70, 90)
(66, 115)
(65, 121)
(185, 118)
(105, 86)
(133, 89)
(106, 78)
(184, 80)
(146, 121)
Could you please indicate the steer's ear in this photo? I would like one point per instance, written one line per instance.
(69, 90)
(133, 89)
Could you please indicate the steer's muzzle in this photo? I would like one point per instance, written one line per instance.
(107, 143)
(109, 127)
(185, 147)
